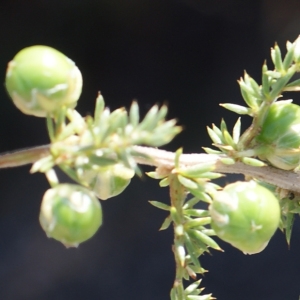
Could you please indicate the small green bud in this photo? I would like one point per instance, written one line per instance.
(70, 214)
(246, 215)
(40, 80)
(107, 182)
(296, 49)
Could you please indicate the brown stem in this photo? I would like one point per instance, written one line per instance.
(288, 180)
(24, 156)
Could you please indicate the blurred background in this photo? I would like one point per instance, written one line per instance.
(186, 53)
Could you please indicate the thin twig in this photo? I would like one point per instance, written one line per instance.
(23, 157)
(288, 180)
(160, 158)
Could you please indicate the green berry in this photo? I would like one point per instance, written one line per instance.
(107, 182)
(40, 80)
(70, 214)
(246, 215)
(279, 138)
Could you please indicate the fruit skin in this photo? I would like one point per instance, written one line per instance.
(279, 139)
(70, 214)
(246, 215)
(107, 182)
(40, 80)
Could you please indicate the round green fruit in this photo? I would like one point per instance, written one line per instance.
(40, 80)
(246, 215)
(70, 214)
(279, 138)
(106, 182)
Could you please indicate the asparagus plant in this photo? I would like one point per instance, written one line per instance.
(101, 153)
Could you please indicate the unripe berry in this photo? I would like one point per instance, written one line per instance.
(246, 215)
(40, 80)
(279, 138)
(107, 182)
(70, 214)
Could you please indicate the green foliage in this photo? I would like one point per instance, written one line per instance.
(101, 153)
(273, 137)
(192, 236)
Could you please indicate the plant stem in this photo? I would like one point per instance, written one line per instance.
(288, 180)
(177, 196)
(23, 157)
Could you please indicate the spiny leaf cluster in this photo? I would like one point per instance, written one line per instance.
(258, 99)
(105, 139)
(193, 235)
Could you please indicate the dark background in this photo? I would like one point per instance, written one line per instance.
(186, 53)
